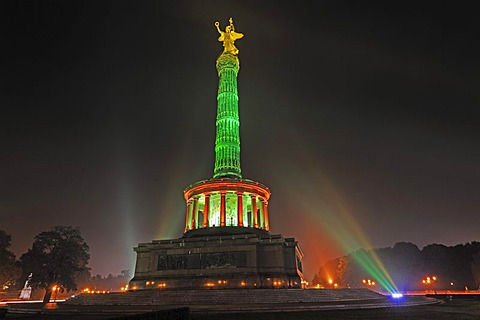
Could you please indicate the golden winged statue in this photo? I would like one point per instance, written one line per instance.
(228, 37)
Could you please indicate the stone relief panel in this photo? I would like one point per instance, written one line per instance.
(172, 262)
(202, 261)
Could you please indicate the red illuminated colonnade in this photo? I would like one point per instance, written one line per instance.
(227, 202)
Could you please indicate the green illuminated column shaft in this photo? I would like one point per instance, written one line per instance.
(227, 141)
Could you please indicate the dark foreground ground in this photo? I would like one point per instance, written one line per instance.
(451, 310)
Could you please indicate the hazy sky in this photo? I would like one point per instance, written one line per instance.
(361, 117)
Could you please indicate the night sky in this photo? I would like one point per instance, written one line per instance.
(361, 117)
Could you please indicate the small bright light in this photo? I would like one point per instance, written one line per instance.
(397, 295)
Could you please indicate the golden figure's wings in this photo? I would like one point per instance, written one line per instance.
(228, 37)
(236, 35)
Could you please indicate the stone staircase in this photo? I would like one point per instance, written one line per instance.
(227, 297)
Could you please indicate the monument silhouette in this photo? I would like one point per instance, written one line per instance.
(227, 241)
(227, 244)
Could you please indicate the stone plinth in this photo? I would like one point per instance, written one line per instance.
(219, 262)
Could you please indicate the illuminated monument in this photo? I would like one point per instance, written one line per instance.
(226, 242)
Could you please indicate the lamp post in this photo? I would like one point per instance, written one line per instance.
(368, 282)
(332, 283)
(430, 281)
(55, 290)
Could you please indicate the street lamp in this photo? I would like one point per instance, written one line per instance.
(368, 282)
(55, 290)
(332, 283)
(429, 281)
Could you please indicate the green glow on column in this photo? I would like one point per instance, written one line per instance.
(227, 141)
(261, 222)
(214, 219)
(231, 209)
(245, 204)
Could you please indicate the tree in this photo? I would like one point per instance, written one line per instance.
(57, 258)
(454, 267)
(476, 269)
(406, 266)
(9, 272)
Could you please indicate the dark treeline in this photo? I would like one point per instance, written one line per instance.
(57, 263)
(451, 268)
(108, 283)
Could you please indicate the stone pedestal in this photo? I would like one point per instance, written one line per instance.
(218, 262)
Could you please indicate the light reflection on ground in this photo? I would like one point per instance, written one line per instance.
(5, 302)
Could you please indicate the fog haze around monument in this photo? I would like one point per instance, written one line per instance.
(360, 118)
